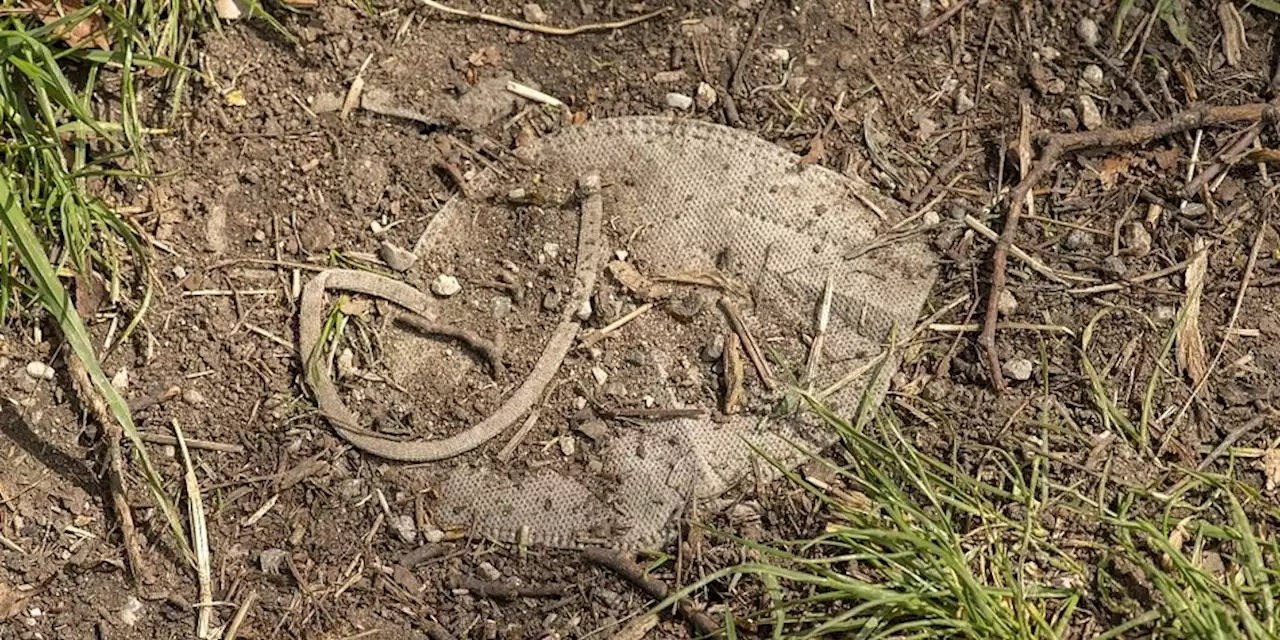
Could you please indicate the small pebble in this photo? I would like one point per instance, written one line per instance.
(39, 371)
(1136, 239)
(193, 397)
(584, 312)
(1087, 29)
(317, 235)
(705, 97)
(433, 536)
(1194, 209)
(600, 375)
(272, 560)
(1114, 266)
(552, 301)
(1078, 239)
(121, 380)
(597, 430)
(930, 218)
(1092, 76)
(552, 250)
(780, 55)
(963, 102)
(346, 364)
(445, 286)
(1090, 116)
(568, 445)
(1018, 369)
(260, 236)
(534, 13)
(489, 571)
(129, 612)
(679, 101)
(846, 60)
(622, 254)
(1007, 304)
(405, 527)
(1165, 313)
(501, 307)
(713, 349)
(397, 259)
(179, 272)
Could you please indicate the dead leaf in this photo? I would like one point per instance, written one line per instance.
(487, 56)
(1192, 357)
(635, 282)
(1112, 168)
(1233, 39)
(1270, 468)
(1167, 159)
(92, 28)
(817, 151)
(11, 601)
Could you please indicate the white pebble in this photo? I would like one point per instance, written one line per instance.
(129, 612)
(1090, 116)
(705, 96)
(780, 55)
(445, 286)
(600, 375)
(621, 254)
(121, 380)
(193, 397)
(433, 535)
(534, 13)
(568, 445)
(404, 527)
(489, 571)
(1092, 76)
(1087, 29)
(931, 218)
(552, 250)
(39, 370)
(179, 272)
(679, 101)
(1018, 369)
(1007, 304)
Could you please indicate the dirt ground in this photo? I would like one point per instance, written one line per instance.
(267, 174)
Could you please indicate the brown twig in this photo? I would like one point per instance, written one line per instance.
(625, 566)
(1226, 160)
(491, 350)
(1055, 146)
(748, 343)
(496, 590)
(544, 29)
(735, 81)
(942, 18)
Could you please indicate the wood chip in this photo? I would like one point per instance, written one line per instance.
(636, 283)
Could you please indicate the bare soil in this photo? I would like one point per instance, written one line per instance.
(282, 179)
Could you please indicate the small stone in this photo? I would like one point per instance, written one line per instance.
(179, 272)
(1087, 29)
(963, 102)
(1114, 266)
(327, 102)
(501, 307)
(552, 250)
(1194, 209)
(1018, 369)
(433, 536)
(622, 254)
(215, 229)
(317, 235)
(616, 389)
(445, 286)
(1078, 239)
(376, 227)
(780, 55)
(687, 307)
(405, 527)
(713, 350)
(552, 300)
(1007, 304)
(1049, 54)
(584, 312)
(597, 430)
(259, 236)
(39, 371)
(1090, 116)
(1092, 76)
(568, 445)
(129, 612)
(517, 194)
(930, 219)
(397, 259)
(489, 571)
(193, 397)
(534, 13)
(705, 97)
(272, 560)
(347, 364)
(121, 380)
(679, 101)
(600, 375)
(1165, 313)
(846, 60)
(1136, 239)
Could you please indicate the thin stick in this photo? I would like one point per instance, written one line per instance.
(199, 537)
(596, 336)
(544, 29)
(942, 19)
(509, 448)
(735, 81)
(1231, 439)
(11, 545)
(819, 336)
(748, 343)
(990, 234)
(204, 445)
(1059, 144)
(625, 566)
(1154, 275)
(234, 627)
(1021, 326)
